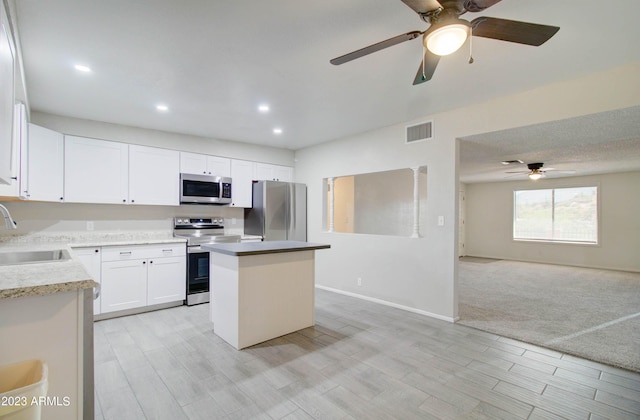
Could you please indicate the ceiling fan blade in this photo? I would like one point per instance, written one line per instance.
(375, 47)
(422, 7)
(517, 172)
(513, 30)
(479, 5)
(430, 61)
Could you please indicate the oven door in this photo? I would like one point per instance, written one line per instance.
(197, 275)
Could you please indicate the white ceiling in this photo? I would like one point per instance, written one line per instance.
(213, 61)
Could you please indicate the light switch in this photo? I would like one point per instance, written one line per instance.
(440, 220)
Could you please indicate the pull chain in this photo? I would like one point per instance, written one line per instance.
(424, 56)
(471, 45)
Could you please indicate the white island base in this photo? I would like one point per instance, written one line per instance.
(256, 297)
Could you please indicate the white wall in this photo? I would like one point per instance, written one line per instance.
(145, 137)
(490, 223)
(420, 274)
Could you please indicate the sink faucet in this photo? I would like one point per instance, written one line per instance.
(8, 221)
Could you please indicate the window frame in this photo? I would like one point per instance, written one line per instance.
(559, 241)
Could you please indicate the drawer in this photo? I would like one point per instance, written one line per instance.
(138, 252)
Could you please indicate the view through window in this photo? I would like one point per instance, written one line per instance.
(559, 214)
(382, 203)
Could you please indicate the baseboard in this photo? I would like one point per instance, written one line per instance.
(535, 261)
(387, 303)
(135, 311)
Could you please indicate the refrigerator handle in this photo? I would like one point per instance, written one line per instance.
(291, 223)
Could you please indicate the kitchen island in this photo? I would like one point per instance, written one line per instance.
(261, 290)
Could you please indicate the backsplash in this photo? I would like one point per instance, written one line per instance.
(55, 219)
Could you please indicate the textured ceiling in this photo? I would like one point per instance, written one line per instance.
(599, 143)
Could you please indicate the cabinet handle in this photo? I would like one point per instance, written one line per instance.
(133, 201)
(167, 250)
(61, 198)
(97, 250)
(144, 262)
(124, 201)
(150, 262)
(125, 253)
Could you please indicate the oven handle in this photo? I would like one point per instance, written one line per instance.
(195, 249)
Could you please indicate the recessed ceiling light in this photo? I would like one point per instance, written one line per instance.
(263, 108)
(162, 108)
(82, 68)
(277, 130)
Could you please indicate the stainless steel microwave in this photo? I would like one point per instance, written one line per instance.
(204, 189)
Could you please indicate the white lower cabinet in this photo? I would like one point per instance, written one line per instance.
(124, 285)
(142, 275)
(91, 259)
(162, 286)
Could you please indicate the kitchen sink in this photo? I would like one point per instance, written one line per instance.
(31, 257)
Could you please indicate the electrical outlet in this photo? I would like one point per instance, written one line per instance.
(90, 226)
(359, 281)
(440, 220)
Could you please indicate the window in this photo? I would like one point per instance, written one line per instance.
(559, 214)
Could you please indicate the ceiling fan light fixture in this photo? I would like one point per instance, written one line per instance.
(448, 38)
(535, 175)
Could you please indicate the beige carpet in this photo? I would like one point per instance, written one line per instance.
(589, 313)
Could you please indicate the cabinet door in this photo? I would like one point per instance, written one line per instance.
(167, 280)
(264, 172)
(45, 164)
(193, 163)
(7, 95)
(95, 171)
(154, 176)
(218, 166)
(124, 285)
(283, 173)
(19, 131)
(269, 172)
(242, 180)
(90, 258)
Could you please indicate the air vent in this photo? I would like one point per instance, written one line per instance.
(419, 132)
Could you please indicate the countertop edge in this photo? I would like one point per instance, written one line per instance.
(235, 252)
(47, 289)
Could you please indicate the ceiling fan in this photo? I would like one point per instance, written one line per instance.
(448, 32)
(536, 172)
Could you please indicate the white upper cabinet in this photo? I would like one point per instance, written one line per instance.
(269, 172)
(154, 176)
(7, 98)
(18, 156)
(45, 164)
(242, 178)
(95, 171)
(195, 163)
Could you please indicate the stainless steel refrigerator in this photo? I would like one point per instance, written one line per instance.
(279, 211)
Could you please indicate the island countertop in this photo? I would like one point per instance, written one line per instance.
(267, 247)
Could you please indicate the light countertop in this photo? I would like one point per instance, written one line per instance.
(61, 276)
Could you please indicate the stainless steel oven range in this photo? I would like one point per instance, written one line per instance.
(198, 231)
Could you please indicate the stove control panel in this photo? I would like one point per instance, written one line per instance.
(198, 221)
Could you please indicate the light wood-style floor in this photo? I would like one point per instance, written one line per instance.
(361, 361)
